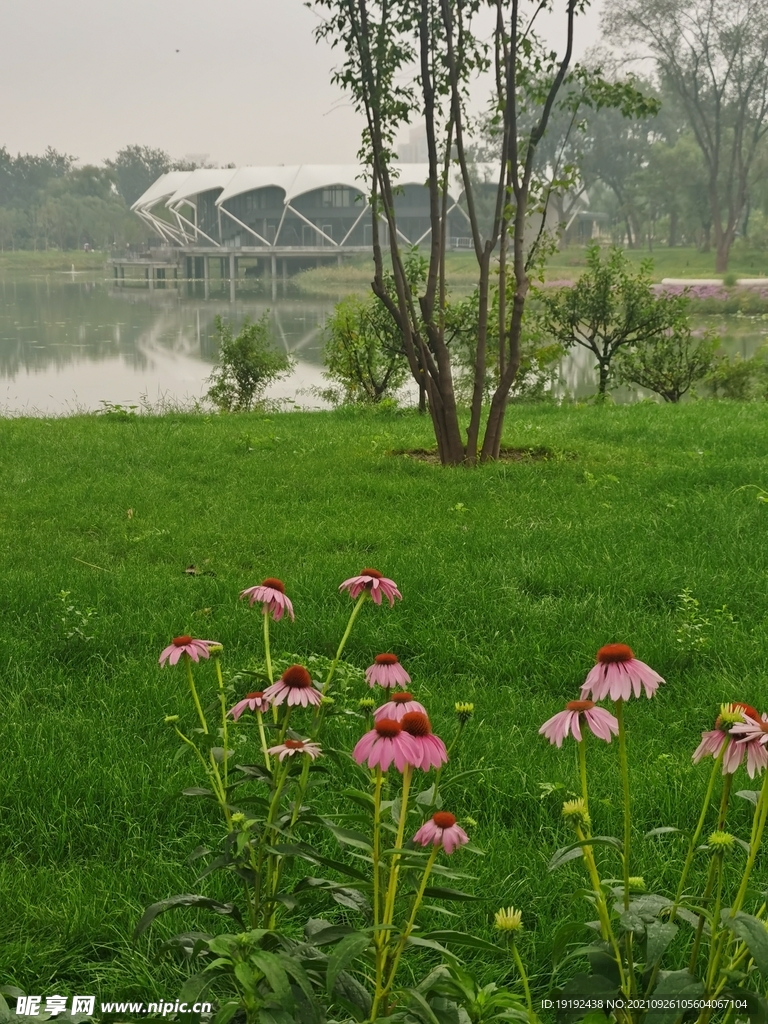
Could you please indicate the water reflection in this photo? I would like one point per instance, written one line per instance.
(73, 342)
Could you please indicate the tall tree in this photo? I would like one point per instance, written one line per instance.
(135, 168)
(713, 55)
(404, 59)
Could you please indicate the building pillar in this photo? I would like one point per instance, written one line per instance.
(207, 276)
(274, 277)
(232, 275)
(339, 260)
(285, 272)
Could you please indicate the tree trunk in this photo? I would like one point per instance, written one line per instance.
(602, 384)
(721, 255)
(672, 238)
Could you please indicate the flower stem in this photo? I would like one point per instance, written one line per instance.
(600, 905)
(697, 834)
(268, 657)
(394, 868)
(347, 631)
(524, 979)
(758, 827)
(200, 715)
(224, 734)
(394, 960)
(619, 705)
(581, 747)
(376, 849)
(263, 741)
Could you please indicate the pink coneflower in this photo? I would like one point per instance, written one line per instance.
(294, 687)
(617, 674)
(375, 583)
(399, 704)
(601, 722)
(386, 671)
(255, 701)
(442, 830)
(430, 747)
(290, 747)
(196, 649)
(386, 743)
(746, 742)
(271, 594)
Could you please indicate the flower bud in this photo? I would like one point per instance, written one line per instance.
(720, 842)
(170, 719)
(508, 920)
(575, 811)
(464, 711)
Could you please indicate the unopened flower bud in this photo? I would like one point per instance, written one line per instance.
(508, 920)
(464, 711)
(575, 811)
(366, 703)
(637, 882)
(719, 842)
(215, 648)
(238, 819)
(170, 719)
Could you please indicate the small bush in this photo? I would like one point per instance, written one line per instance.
(363, 354)
(744, 380)
(248, 364)
(669, 365)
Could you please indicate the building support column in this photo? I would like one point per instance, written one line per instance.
(274, 278)
(285, 272)
(232, 275)
(207, 276)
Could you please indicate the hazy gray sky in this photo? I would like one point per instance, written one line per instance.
(248, 83)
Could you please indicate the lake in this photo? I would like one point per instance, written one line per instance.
(71, 342)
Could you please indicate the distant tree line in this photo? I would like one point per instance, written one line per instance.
(47, 202)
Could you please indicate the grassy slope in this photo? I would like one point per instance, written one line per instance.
(512, 575)
(461, 268)
(22, 263)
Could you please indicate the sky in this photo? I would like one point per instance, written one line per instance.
(238, 81)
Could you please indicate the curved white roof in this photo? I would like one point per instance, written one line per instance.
(202, 180)
(165, 186)
(246, 179)
(294, 180)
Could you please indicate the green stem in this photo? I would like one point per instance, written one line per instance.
(581, 746)
(302, 787)
(268, 658)
(524, 979)
(200, 715)
(724, 798)
(758, 827)
(394, 868)
(601, 907)
(377, 850)
(224, 733)
(347, 631)
(619, 705)
(263, 741)
(716, 944)
(697, 833)
(383, 992)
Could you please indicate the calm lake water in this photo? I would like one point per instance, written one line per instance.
(73, 341)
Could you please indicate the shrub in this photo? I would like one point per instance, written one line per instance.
(364, 352)
(669, 365)
(610, 307)
(248, 364)
(741, 379)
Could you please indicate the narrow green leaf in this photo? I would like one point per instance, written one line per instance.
(658, 937)
(185, 900)
(753, 934)
(350, 947)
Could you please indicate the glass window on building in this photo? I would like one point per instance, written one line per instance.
(337, 196)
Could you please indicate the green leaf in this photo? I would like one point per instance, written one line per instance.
(321, 933)
(462, 939)
(573, 851)
(226, 1011)
(270, 966)
(349, 838)
(661, 831)
(350, 947)
(749, 794)
(185, 900)
(676, 985)
(658, 937)
(564, 935)
(444, 893)
(755, 1006)
(752, 933)
(632, 922)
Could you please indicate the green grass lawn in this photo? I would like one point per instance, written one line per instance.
(512, 576)
(567, 265)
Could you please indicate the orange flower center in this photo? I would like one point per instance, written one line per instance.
(386, 659)
(297, 677)
(275, 584)
(388, 728)
(749, 711)
(444, 819)
(256, 695)
(613, 653)
(401, 698)
(580, 705)
(181, 641)
(374, 573)
(416, 723)
(294, 744)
